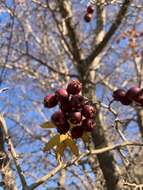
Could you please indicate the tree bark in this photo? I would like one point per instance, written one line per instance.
(106, 160)
(8, 181)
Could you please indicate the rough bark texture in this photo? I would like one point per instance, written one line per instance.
(8, 181)
(106, 160)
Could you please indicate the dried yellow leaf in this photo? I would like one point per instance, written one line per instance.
(47, 124)
(71, 144)
(56, 140)
(60, 150)
(85, 137)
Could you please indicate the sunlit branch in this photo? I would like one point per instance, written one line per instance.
(77, 159)
(120, 16)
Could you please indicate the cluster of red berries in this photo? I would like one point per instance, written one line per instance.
(89, 13)
(134, 94)
(75, 114)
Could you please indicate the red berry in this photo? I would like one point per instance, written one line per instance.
(62, 95)
(62, 129)
(141, 101)
(66, 106)
(74, 87)
(88, 125)
(126, 101)
(75, 117)
(76, 132)
(119, 94)
(58, 118)
(133, 93)
(87, 17)
(88, 111)
(139, 96)
(77, 101)
(9, 148)
(90, 9)
(50, 101)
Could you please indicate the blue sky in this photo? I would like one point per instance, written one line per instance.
(15, 92)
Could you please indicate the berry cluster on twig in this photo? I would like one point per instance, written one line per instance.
(134, 94)
(75, 115)
(89, 13)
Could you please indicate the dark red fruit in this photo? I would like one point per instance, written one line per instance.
(58, 118)
(88, 125)
(62, 129)
(50, 101)
(141, 102)
(62, 95)
(66, 106)
(74, 87)
(90, 9)
(77, 101)
(133, 93)
(88, 111)
(76, 132)
(139, 96)
(75, 117)
(119, 94)
(87, 17)
(126, 101)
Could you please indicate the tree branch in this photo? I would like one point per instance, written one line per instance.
(65, 9)
(13, 153)
(77, 159)
(120, 16)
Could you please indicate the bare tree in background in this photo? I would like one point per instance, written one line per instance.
(43, 45)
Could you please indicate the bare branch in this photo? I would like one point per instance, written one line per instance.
(77, 159)
(13, 153)
(66, 12)
(120, 16)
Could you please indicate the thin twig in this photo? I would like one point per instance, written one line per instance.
(13, 153)
(75, 161)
